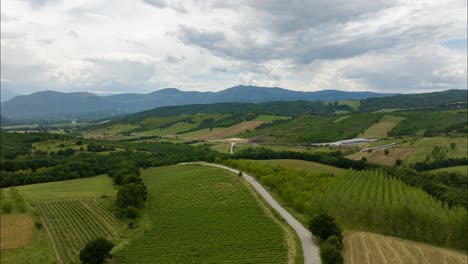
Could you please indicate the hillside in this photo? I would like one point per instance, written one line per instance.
(423, 100)
(64, 106)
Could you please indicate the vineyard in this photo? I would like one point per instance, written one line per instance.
(373, 201)
(73, 223)
(203, 215)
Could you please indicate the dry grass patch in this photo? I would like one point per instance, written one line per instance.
(379, 156)
(16, 231)
(381, 128)
(369, 248)
(231, 131)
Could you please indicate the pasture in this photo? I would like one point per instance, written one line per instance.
(270, 118)
(370, 248)
(302, 164)
(381, 128)
(202, 214)
(94, 187)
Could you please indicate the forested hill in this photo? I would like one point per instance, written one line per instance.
(50, 105)
(405, 101)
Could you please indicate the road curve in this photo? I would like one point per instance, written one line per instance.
(309, 245)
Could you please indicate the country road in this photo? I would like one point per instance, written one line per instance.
(309, 245)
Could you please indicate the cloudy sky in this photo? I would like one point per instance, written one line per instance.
(106, 46)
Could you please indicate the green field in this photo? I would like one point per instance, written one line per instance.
(315, 129)
(270, 118)
(38, 251)
(461, 169)
(202, 214)
(302, 164)
(94, 187)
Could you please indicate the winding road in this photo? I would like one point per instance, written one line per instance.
(309, 245)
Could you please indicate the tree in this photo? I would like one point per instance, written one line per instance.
(330, 255)
(240, 174)
(386, 152)
(398, 162)
(324, 226)
(131, 195)
(453, 145)
(96, 251)
(79, 142)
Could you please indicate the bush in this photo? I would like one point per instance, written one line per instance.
(398, 162)
(38, 225)
(324, 226)
(96, 251)
(330, 254)
(7, 207)
(129, 212)
(335, 241)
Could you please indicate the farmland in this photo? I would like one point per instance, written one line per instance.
(301, 164)
(16, 231)
(72, 223)
(94, 187)
(381, 129)
(370, 248)
(203, 215)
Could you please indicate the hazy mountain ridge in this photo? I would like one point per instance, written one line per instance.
(57, 105)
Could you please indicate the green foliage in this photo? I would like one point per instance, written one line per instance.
(315, 129)
(324, 226)
(336, 241)
(433, 123)
(96, 251)
(414, 100)
(329, 254)
(376, 202)
(7, 207)
(131, 195)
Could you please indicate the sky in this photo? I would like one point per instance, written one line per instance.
(119, 46)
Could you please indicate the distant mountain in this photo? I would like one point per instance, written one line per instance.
(52, 105)
(58, 106)
(7, 94)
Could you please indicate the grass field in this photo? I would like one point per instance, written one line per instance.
(270, 118)
(72, 223)
(414, 149)
(171, 130)
(230, 131)
(203, 215)
(351, 103)
(54, 145)
(93, 187)
(370, 248)
(462, 169)
(16, 230)
(381, 128)
(110, 131)
(301, 164)
(221, 147)
(37, 251)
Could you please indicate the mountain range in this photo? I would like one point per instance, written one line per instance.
(52, 105)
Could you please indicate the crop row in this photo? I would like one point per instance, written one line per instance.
(73, 223)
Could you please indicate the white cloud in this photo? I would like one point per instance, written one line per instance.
(141, 46)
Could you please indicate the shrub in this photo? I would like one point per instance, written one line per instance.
(7, 207)
(398, 162)
(38, 225)
(330, 254)
(324, 226)
(129, 212)
(335, 241)
(96, 251)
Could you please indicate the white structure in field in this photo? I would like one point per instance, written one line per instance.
(345, 142)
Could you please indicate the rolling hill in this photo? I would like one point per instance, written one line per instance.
(50, 105)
